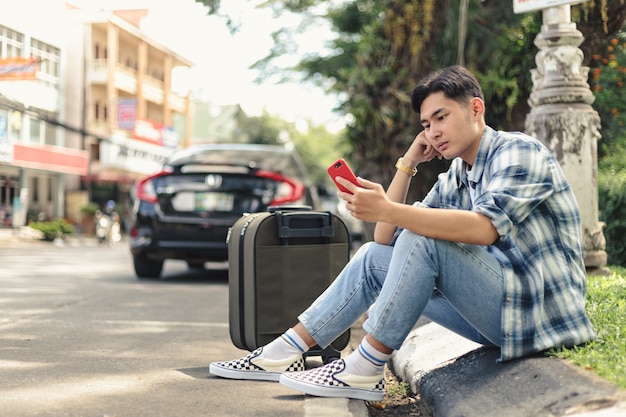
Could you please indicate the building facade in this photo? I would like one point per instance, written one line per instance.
(37, 159)
(130, 117)
(87, 106)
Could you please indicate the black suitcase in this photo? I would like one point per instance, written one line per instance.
(279, 262)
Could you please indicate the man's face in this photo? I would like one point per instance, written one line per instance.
(454, 129)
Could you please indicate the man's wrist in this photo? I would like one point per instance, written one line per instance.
(406, 168)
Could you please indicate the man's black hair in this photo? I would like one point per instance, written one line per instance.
(456, 82)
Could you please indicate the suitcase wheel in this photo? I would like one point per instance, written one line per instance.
(330, 358)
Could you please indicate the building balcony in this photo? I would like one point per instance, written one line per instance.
(98, 127)
(124, 78)
(177, 103)
(36, 93)
(153, 90)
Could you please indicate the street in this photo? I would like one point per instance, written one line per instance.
(81, 336)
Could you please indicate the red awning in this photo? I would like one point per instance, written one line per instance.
(51, 158)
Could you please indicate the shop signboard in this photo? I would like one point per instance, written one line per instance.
(132, 156)
(18, 69)
(523, 6)
(148, 131)
(126, 113)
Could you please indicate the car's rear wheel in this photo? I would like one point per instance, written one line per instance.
(146, 268)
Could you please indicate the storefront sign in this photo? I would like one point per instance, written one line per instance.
(148, 131)
(523, 6)
(170, 137)
(126, 113)
(132, 156)
(155, 133)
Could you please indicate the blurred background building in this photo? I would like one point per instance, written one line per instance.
(87, 106)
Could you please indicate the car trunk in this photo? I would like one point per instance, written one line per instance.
(202, 206)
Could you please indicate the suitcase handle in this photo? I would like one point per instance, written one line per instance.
(296, 207)
(301, 224)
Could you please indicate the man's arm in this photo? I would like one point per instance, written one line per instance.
(369, 202)
(462, 226)
(397, 192)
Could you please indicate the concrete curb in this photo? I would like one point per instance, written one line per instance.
(458, 378)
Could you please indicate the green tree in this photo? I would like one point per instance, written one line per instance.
(498, 47)
(381, 50)
(383, 47)
(317, 146)
(264, 129)
(607, 78)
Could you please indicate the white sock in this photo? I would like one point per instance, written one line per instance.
(284, 346)
(366, 361)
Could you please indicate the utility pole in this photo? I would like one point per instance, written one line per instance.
(562, 117)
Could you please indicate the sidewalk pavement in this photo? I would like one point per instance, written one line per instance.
(28, 236)
(458, 378)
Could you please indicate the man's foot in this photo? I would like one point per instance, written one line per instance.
(325, 382)
(254, 367)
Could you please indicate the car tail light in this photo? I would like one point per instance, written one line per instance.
(288, 190)
(145, 187)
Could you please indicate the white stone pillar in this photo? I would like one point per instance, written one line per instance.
(561, 117)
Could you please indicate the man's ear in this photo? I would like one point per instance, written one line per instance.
(478, 107)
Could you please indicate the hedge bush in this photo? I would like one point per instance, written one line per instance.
(612, 211)
(53, 229)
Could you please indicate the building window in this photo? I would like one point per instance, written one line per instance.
(15, 125)
(100, 112)
(4, 126)
(35, 190)
(94, 152)
(49, 61)
(35, 130)
(50, 189)
(50, 132)
(11, 43)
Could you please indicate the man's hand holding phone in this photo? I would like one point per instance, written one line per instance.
(340, 168)
(367, 203)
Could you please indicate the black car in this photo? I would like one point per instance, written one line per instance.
(184, 212)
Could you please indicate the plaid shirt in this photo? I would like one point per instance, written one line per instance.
(520, 186)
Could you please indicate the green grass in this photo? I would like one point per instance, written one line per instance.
(606, 307)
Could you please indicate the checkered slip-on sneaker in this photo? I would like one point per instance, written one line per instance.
(326, 382)
(252, 366)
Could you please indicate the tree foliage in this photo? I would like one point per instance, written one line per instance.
(382, 48)
(317, 146)
(607, 78)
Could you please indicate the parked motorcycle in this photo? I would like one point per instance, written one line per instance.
(108, 228)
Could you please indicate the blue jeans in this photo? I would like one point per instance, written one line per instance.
(456, 285)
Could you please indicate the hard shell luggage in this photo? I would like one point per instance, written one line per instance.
(279, 262)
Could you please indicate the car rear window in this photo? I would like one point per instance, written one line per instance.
(266, 159)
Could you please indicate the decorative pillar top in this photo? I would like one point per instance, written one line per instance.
(560, 76)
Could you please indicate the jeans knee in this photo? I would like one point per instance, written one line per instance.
(408, 238)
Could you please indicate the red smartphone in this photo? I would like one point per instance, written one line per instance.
(340, 168)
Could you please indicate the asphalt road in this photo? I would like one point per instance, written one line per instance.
(81, 336)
